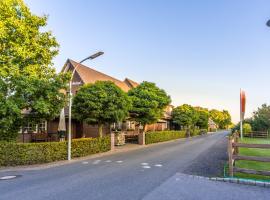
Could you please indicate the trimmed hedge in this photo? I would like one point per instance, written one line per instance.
(12, 154)
(161, 136)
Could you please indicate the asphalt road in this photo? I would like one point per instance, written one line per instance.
(128, 175)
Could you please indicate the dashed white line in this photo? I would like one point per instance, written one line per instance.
(144, 164)
(96, 162)
(119, 161)
(158, 165)
(108, 161)
(85, 163)
(146, 167)
(7, 177)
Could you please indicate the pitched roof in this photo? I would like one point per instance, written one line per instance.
(89, 75)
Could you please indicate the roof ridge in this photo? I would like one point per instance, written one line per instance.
(82, 65)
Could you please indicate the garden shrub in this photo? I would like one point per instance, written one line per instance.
(161, 136)
(12, 153)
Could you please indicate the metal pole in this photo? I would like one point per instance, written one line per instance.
(241, 120)
(70, 100)
(69, 120)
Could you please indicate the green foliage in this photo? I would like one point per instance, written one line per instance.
(161, 136)
(27, 80)
(221, 118)
(100, 103)
(247, 128)
(185, 115)
(203, 117)
(148, 103)
(12, 154)
(261, 118)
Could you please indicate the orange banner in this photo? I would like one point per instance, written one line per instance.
(242, 103)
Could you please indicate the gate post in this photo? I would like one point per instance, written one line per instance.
(112, 141)
(230, 155)
(142, 138)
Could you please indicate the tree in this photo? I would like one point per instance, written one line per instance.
(261, 118)
(226, 120)
(101, 103)
(221, 118)
(148, 103)
(28, 82)
(203, 117)
(216, 116)
(185, 115)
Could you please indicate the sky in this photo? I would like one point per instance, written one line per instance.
(200, 52)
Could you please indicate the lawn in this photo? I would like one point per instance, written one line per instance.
(253, 164)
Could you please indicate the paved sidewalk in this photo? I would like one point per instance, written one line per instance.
(188, 187)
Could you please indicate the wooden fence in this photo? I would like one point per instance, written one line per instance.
(233, 153)
(258, 134)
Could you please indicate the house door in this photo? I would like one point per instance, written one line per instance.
(79, 130)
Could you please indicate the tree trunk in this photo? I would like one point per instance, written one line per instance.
(100, 127)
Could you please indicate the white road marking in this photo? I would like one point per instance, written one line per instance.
(85, 162)
(96, 162)
(146, 167)
(177, 179)
(119, 161)
(7, 177)
(158, 165)
(108, 161)
(144, 164)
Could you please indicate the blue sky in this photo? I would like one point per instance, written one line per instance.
(200, 52)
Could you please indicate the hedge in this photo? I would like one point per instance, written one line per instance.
(12, 153)
(161, 136)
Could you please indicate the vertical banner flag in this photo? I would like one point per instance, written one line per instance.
(242, 104)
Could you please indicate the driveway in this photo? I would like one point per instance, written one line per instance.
(129, 175)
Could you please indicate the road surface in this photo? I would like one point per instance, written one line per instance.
(137, 174)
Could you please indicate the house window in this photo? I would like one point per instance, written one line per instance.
(30, 127)
(42, 126)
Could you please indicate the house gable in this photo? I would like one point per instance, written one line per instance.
(88, 75)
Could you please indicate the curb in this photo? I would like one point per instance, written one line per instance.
(242, 181)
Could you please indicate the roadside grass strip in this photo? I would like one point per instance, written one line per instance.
(254, 164)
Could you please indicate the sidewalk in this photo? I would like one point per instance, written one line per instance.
(182, 186)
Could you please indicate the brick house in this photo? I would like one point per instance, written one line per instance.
(85, 75)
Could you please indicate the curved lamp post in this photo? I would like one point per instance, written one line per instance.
(268, 23)
(70, 98)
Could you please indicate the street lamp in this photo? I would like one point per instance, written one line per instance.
(268, 23)
(70, 98)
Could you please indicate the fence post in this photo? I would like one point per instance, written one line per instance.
(236, 149)
(142, 138)
(112, 141)
(230, 155)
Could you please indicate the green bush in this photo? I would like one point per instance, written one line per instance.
(195, 132)
(161, 136)
(247, 128)
(12, 153)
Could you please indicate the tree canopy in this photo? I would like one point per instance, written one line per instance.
(203, 117)
(27, 79)
(185, 115)
(221, 118)
(101, 103)
(148, 103)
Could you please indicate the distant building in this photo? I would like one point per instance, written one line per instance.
(212, 126)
